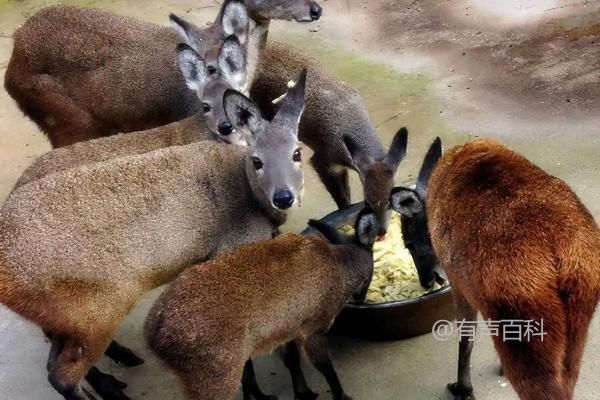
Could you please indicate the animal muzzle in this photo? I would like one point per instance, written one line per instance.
(283, 199)
(315, 11)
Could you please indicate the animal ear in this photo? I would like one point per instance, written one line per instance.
(397, 150)
(358, 156)
(242, 112)
(187, 31)
(235, 19)
(232, 63)
(289, 114)
(192, 67)
(431, 158)
(366, 228)
(332, 234)
(406, 202)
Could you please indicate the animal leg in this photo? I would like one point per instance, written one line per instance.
(123, 355)
(106, 385)
(250, 386)
(291, 359)
(580, 303)
(334, 178)
(462, 389)
(71, 365)
(534, 366)
(45, 101)
(317, 350)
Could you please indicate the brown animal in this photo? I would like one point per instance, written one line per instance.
(78, 247)
(84, 73)
(517, 244)
(201, 126)
(249, 301)
(336, 127)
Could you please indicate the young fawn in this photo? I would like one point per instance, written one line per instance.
(201, 126)
(84, 73)
(79, 247)
(249, 301)
(517, 244)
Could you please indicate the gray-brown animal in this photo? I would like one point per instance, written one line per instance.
(336, 127)
(201, 126)
(249, 301)
(78, 247)
(517, 244)
(85, 73)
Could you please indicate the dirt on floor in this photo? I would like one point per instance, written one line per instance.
(525, 72)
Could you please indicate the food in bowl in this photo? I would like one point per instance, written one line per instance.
(394, 274)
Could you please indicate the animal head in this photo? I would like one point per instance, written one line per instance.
(275, 159)
(366, 231)
(378, 175)
(233, 20)
(410, 203)
(210, 90)
(297, 10)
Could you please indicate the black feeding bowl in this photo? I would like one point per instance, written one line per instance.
(391, 320)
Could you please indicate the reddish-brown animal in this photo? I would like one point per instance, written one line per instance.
(516, 243)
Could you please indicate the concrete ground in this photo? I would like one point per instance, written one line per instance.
(525, 72)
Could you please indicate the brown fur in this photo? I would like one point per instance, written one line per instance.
(63, 58)
(249, 301)
(517, 243)
(189, 130)
(334, 111)
(78, 247)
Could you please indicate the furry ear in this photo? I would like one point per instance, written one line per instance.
(232, 63)
(242, 112)
(359, 157)
(292, 106)
(431, 158)
(406, 202)
(192, 67)
(332, 234)
(366, 228)
(397, 150)
(235, 20)
(187, 31)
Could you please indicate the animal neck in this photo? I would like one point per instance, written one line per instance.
(257, 41)
(277, 217)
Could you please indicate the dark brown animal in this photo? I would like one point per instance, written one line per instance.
(84, 73)
(336, 127)
(249, 301)
(516, 244)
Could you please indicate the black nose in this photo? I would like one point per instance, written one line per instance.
(225, 128)
(283, 199)
(315, 11)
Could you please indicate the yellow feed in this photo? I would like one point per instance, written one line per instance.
(394, 275)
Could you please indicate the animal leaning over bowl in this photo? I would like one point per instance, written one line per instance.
(79, 247)
(216, 315)
(516, 244)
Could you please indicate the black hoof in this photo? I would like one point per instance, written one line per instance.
(461, 393)
(123, 355)
(258, 395)
(308, 395)
(343, 396)
(106, 385)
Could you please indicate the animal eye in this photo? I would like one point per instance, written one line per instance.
(297, 157)
(205, 107)
(211, 69)
(257, 162)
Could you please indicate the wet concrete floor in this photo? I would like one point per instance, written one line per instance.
(523, 72)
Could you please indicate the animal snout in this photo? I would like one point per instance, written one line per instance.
(225, 128)
(283, 199)
(315, 11)
(381, 233)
